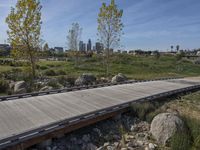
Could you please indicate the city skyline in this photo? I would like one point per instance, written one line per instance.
(152, 24)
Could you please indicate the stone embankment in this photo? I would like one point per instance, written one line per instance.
(120, 133)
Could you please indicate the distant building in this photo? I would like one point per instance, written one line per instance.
(89, 45)
(198, 53)
(59, 49)
(94, 48)
(5, 49)
(119, 51)
(99, 47)
(84, 47)
(81, 48)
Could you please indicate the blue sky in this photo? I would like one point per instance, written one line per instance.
(149, 24)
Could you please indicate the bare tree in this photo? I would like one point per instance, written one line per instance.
(73, 38)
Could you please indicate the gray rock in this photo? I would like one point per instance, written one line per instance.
(54, 148)
(20, 87)
(11, 85)
(101, 148)
(164, 126)
(48, 148)
(140, 143)
(152, 146)
(106, 144)
(91, 146)
(46, 88)
(85, 79)
(86, 138)
(116, 144)
(111, 147)
(119, 78)
(45, 144)
(103, 80)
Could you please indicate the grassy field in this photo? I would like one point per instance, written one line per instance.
(135, 67)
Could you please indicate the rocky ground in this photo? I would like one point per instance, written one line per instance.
(126, 133)
(46, 84)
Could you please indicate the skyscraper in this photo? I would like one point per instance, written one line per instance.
(89, 45)
(81, 46)
(84, 47)
(99, 47)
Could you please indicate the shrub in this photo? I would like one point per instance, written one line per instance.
(61, 72)
(3, 86)
(66, 80)
(50, 72)
(54, 84)
(180, 141)
(142, 109)
(189, 138)
(43, 67)
(194, 128)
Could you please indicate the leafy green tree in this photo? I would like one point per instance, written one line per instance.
(109, 28)
(24, 22)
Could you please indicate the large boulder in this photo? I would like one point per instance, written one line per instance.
(20, 87)
(85, 79)
(119, 78)
(164, 126)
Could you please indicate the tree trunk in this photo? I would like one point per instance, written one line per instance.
(107, 62)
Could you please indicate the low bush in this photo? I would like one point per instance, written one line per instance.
(50, 72)
(54, 84)
(61, 72)
(142, 109)
(181, 141)
(43, 67)
(4, 86)
(194, 128)
(188, 139)
(146, 110)
(65, 79)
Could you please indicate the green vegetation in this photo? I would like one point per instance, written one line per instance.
(142, 110)
(3, 86)
(135, 67)
(181, 141)
(24, 23)
(188, 107)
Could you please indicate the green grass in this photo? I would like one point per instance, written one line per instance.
(135, 67)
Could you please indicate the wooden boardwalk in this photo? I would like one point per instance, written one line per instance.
(29, 114)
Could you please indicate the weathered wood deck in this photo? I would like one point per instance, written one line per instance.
(26, 114)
